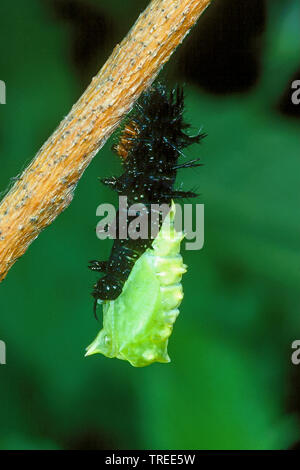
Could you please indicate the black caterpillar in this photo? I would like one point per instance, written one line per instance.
(149, 146)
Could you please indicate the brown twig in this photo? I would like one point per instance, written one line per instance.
(46, 187)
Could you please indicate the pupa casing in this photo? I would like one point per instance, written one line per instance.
(138, 324)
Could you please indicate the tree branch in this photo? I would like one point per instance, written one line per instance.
(46, 187)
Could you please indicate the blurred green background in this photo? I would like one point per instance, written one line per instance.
(230, 384)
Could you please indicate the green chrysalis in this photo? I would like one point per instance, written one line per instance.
(138, 324)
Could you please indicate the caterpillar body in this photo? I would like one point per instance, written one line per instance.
(141, 288)
(149, 147)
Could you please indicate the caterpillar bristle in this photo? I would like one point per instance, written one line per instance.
(111, 182)
(95, 309)
(189, 164)
(98, 266)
